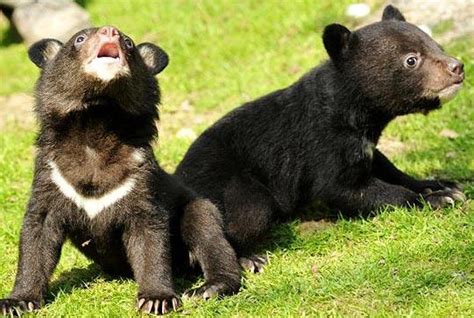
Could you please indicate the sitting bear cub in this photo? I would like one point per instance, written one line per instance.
(316, 139)
(96, 180)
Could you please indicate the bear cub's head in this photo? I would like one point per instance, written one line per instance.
(393, 65)
(97, 64)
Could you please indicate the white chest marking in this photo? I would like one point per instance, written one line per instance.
(92, 206)
(138, 156)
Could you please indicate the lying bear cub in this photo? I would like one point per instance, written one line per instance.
(96, 180)
(316, 139)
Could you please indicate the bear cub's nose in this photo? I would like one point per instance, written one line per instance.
(456, 67)
(109, 31)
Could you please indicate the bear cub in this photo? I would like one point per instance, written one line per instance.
(316, 139)
(96, 181)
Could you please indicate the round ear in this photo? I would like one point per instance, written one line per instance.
(154, 57)
(392, 13)
(44, 51)
(336, 40)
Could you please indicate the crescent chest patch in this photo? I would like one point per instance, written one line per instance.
(91, 205)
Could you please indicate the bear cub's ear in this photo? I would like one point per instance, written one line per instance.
(336, 40)
(44, 51)
(392, 13)
(155, 58)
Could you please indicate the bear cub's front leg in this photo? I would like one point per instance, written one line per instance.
(41, 240)
(435, 192)
(147, 243)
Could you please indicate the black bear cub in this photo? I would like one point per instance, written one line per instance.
(96, 180)
(317, 138)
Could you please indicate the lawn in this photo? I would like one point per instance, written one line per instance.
(223, 53)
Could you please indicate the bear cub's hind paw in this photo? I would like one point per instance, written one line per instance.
(254, 263)
(211, 290)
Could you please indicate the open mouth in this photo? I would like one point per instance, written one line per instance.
(109, 52)
(108, 63)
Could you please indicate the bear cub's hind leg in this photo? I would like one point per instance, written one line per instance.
(249, 209)
(203, 234)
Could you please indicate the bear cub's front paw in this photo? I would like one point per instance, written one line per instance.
(428, 186)
(158, 304)
(440, 193)
(16, 307)
(443, 198)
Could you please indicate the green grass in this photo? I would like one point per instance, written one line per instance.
(399, 263)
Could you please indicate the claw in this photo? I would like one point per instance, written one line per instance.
(449, 200)
(262, 259)
(141, 301)
(164, 307)
(157, 307)
(175, 303)
(459, 196)
(254, 264)
(149, 306)
(213, 289)
(16, 311)
(31, 306)
(252, 268)
(210, 292)
(427, 191)
(189, 293)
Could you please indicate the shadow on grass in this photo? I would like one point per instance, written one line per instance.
(80, 278)
(76, 278)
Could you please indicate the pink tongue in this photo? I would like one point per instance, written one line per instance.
(108, 50)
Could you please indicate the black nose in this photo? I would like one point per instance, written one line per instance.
(456, 67)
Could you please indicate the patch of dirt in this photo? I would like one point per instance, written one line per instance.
(456, 15)
(183, 122)
(17, 109)
(391, 146)
(310, 227)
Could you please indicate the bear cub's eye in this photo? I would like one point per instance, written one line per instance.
(80, 39)
(128, 43)
(411, 61)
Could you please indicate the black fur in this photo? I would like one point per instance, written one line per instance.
(392, 13)
(316, 140)
(336, 39)
(93, 131)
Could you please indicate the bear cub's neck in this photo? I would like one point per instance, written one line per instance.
(349, 113)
